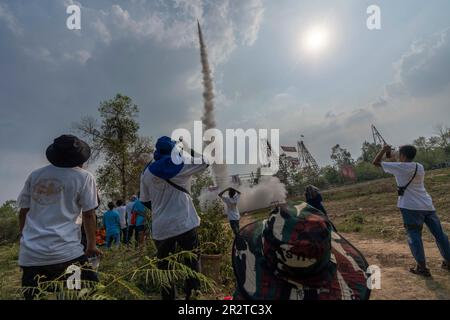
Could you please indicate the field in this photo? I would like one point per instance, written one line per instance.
(365, 213)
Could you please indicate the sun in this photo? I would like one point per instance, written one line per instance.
(316, 39)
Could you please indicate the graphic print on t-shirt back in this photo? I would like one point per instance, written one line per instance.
(47, 191)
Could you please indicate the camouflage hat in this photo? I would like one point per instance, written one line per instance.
(296, 255)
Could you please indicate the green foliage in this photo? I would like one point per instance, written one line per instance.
(341, 156)
(121, 280)
(431, 151)
(9, 222)
(214, 233)
(117, 142)
(200, 181)
(366, 171)
(332, 175)
(369, 151)
(285, 171)
(9, 272)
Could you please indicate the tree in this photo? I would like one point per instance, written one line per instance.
(341, 157)
(284, 171)
(369, 151)
(9, 226)
(366, 171)
(200, 182)
(444, 135)
(430, 152)
(116, 141)
(331, 175)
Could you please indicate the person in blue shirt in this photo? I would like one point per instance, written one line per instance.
(139, 211)
(111, 221)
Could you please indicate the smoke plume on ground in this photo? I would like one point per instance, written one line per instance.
(268, 191)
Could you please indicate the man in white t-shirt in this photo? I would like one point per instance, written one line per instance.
(50, 203)
(231, 203)
(416, 206)
(165, 185)
(121, 208)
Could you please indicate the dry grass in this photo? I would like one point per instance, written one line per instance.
(367, 212)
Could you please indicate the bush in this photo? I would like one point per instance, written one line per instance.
(214, 234)
(430, 158)
(331, 175)
(9, 224)
(366, 171)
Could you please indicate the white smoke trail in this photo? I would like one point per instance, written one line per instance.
(268, 191)
(220, 173)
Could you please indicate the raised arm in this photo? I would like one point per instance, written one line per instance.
(377, 161)
(221, 194)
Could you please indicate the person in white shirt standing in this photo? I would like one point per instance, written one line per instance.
(121, 208)
(231, 203)
(50, 203)
(165, 189)
(416, 206)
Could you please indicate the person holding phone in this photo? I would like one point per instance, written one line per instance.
(416, 206)
(165, 188)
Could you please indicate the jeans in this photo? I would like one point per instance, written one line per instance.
(414, 220)
(112, 237)
(31, 275)
(235, 227)
(187, 242)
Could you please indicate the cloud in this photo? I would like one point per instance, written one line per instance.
(81, 56)
(102, 31)
(173, 24)
(380, 102)
(424, 70)
(39, 53)
(10, 20)
(249, 15)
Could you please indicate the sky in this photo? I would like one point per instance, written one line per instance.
(397, 78)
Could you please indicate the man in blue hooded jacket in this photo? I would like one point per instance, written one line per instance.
(165, 184)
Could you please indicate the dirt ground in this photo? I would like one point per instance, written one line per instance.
(367, 215)
(394, 260)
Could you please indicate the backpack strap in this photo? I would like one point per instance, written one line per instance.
(415, 173)
(173, 184)
(411, 180)
(176, 186)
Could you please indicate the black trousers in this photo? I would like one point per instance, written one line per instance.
(186, 242)
(31, 275)
(235, 226)
(130, 233)
(124, 235)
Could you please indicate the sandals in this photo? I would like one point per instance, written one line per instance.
(421, 271)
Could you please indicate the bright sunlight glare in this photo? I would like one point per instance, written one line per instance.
(316, 39)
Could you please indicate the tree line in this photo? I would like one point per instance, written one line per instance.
(123, 153)
(433, 152)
